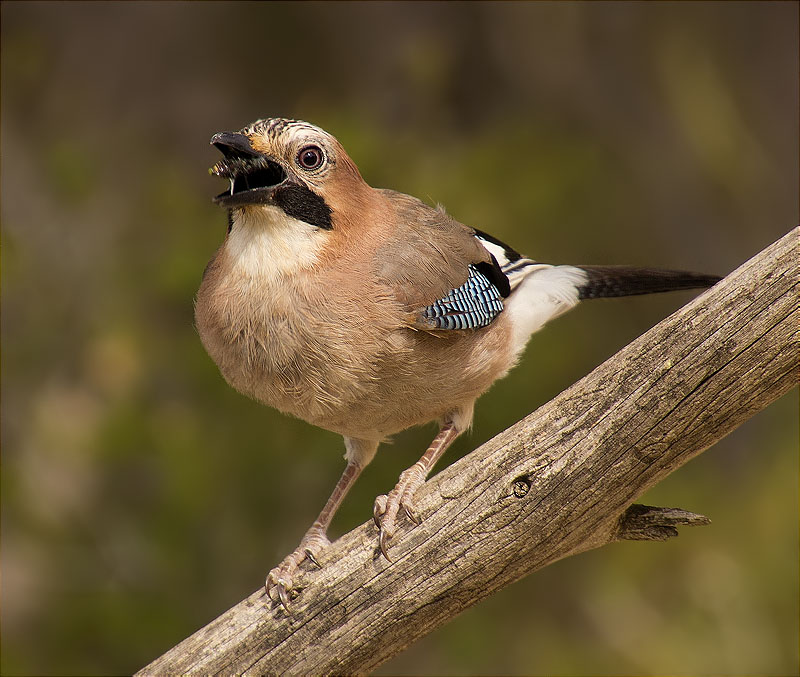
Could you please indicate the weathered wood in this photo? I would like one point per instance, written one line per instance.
(559, 482)
(648, 523)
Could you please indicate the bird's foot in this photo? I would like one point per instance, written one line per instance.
(280, 581)
(387, 507)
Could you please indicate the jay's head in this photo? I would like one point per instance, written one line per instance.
(278, 166)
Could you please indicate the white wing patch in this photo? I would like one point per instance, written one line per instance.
(515, 267)
(500, 253)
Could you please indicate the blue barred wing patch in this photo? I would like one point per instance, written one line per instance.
(472, 305)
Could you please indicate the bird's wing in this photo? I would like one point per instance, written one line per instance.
(472, 305)
(440, 270)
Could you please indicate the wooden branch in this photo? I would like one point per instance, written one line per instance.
(559, 482)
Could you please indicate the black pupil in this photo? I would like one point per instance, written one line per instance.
(310, 158)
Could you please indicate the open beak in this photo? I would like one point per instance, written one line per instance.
(253, 176)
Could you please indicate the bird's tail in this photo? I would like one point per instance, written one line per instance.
(541, 292)
(609, 281)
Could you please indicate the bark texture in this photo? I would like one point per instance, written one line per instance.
(559, 482)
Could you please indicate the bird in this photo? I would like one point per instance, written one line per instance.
(365, 311)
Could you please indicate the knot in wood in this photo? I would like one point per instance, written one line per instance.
(521, 487)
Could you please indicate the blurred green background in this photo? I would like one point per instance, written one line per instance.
(141, 496)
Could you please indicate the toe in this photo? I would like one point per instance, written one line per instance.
(275, 580)
(280, 581)
(379, 509)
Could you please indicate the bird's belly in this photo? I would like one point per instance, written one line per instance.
(410, 381)
(365, 379)
(298, 374)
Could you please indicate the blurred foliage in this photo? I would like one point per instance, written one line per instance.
(142, 496)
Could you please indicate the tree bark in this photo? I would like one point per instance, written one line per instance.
(559, 482)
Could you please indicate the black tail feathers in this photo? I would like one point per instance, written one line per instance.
(608, 281)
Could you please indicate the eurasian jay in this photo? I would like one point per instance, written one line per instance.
(365, 311)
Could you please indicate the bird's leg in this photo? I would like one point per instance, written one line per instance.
(279, 582)
(402, 496)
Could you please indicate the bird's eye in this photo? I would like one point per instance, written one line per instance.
(310, 157)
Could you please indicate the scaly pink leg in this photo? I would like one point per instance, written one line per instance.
(402, 496)
(280, 581)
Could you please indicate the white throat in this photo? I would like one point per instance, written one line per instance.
(265, 243)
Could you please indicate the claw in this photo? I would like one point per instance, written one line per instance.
(312, 559)
(283, 593)
(411, 514)
(383, 541)
(385, 510)
(276, 590)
